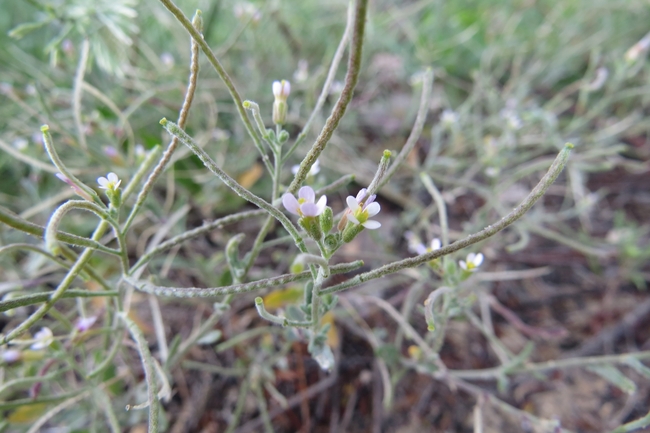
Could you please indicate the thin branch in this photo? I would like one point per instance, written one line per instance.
(351, 78)
(198, 37)
(197, 26)
(539, 190)
(191, 292)
(331, 74)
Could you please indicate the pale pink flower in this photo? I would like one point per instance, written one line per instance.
(362, 209)
(305, 205)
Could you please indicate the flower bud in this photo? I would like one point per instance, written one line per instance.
(351, 231)
(283, 137)
(281, 90)
(326, 220)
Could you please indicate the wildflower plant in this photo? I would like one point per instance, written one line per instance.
(314, 237)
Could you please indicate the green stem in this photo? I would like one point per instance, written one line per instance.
(239, 408)
(34, 248)
(331, 74)
(54, 157)
(315, 300)
(118, 336)
(351, 78)
(145, 166)
(232, 184)
(77, 92)
(212, 58)
(495, 373)
(149, 372)
(269, 223)
(193, 292)
(264, 411)
(36, 298)
(380, 173)
(261, 310)
(57, 216)
(14, 221)
(60, 290)
(440, 203)
(30, 380)
(196, 26)
(191, 234)
(539, 190)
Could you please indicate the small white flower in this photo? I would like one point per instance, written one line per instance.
(167, 59)
(313, 171)
(42, 339)
(472, 263)
(20, 144)
(11, 355)
(449, 117)
(416, 246)
(111, 181)
(305, 205)
(281, 89)
(85, 323)
(361, 214)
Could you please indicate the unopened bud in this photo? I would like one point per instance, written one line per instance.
(326, 220)
(281, 90)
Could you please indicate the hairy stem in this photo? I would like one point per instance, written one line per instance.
(232, 183)
(539, 190)
(351, 78)
(197, 26)
(191, 292)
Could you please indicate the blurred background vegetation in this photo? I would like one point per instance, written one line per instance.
(514, 81)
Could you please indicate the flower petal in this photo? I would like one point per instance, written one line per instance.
(370, 200)
(435, 244)
(307, 193)
(478, 259)
(361, 194)
(371, 224)
(309, 209)
(373, 209)
(315, 169)
(352, 218)
(353, 204)
(463, 264)
(277, 88)
(112, 177)
(290, 203)
(103, 182)
(322, 202)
